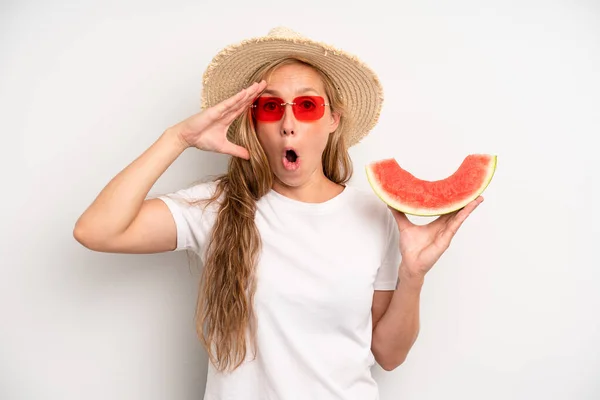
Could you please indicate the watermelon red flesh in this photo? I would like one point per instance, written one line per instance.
(407, 193)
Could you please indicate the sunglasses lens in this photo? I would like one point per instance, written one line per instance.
(268, 109)
(308, 108)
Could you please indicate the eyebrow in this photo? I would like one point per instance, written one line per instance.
(300, 91)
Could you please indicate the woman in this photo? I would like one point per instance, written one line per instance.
(306, 281)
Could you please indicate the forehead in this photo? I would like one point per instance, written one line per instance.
(294, 79)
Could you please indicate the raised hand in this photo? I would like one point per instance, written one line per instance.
(207, 130)
(422, 245)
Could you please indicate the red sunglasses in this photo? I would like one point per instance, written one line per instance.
(305, 108)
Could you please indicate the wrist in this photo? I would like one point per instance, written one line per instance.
(409, 277)
(173, 136)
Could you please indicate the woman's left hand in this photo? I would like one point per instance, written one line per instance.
(422, 245)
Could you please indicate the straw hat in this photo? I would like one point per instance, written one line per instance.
(358, 85)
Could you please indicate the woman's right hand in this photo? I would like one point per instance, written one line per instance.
(207, 130)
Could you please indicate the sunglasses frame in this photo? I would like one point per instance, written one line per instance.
(293, 103)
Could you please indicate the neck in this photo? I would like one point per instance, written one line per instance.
(318, 189)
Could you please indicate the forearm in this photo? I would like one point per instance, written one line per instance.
(398, 328)
(119, 202)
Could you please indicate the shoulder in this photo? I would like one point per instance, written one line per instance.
(366, 201)
(195, 191)
(377, 226)
(365, 204)
(193, 196)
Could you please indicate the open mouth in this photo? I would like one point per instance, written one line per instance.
(291, 156)
(291, 160)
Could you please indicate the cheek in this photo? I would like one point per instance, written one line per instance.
(266, 136)
(319, 137)
(263, 133)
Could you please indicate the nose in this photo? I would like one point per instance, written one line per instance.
(288, 124)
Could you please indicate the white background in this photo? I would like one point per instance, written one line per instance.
(510, 312)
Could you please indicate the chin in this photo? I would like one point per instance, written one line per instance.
(290, 181)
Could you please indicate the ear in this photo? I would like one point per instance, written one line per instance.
(334, 121)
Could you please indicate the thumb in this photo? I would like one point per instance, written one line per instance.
(236, 151)
(401, 219)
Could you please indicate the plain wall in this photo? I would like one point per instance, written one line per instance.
(511, 311)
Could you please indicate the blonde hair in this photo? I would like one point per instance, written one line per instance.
(224, 311)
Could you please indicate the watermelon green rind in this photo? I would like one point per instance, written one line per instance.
(426, 212)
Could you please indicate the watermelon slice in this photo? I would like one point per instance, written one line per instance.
(404, 192)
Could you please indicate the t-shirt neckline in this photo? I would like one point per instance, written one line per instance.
(312, 208)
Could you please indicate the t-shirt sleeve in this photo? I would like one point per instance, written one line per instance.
(192, 219)
(387, 274)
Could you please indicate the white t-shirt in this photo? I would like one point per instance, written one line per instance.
(318, 268)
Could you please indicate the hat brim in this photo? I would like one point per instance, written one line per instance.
(357, 84)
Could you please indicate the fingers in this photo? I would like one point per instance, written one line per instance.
(459, 217)
(226, 105)
(250, 93)
(228, 110)
(442, 219)
(463, 213)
